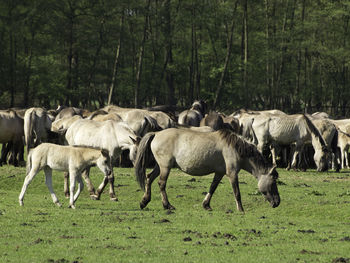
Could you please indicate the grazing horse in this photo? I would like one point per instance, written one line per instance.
(110, 135)
(194, 115)
(37, 123)
(289, 129)
(195, 153)
(72, 159)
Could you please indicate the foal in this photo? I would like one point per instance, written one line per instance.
(71, 159)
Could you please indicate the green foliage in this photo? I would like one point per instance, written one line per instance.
(311, 223)
(64, 52)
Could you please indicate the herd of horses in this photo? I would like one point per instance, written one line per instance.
(196, 141)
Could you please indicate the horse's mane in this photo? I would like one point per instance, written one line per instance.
(314, 130)
(98, 112)
(244, 148)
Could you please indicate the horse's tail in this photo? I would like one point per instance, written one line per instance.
(29, 120)
(153, 123)
(312, 129)
(334, 142)
(144, 154)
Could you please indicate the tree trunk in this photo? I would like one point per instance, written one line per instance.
(140, 59)
(116, 60)
(218, 92)
(169, 54)
(245, 54)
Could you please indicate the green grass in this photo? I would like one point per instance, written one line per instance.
(312, 223)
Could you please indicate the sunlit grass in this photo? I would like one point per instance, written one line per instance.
(311, 224)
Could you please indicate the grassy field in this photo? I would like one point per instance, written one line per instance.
(312, 223)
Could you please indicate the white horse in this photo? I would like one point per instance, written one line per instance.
(37, 123)
(289, 129)
(110, 135)
(50, 157)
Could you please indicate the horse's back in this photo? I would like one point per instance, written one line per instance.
(195, 153)
(89, 132)
(190, 117)
(11, 126)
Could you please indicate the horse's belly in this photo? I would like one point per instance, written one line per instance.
(199, 166)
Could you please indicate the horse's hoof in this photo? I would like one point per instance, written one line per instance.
(21, 203)
(66, 195)
(169, 207)
(94, 197)
(115, 199)
(71, 206)
(58, 204)
(207, 207)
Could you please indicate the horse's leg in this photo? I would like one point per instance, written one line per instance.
(101, 187)
(72, 181)
(346, 152)
(89, 185)
(27, 181)
(273, 154)
(48, 181)
(112, 195)
(298, 149)
(80, 187)
(149, 180)
(66, 184)
(233, 177)
(4, 152)
(15, 152)
(216, 180)
(164, 174)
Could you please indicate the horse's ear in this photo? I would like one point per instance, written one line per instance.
(273, 172)
(137, 141)
(105, 152)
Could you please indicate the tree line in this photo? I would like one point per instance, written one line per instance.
(287, 54)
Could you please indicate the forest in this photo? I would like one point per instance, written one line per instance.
(292, 55)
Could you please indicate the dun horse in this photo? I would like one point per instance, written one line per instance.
(71, 159)
(196, 153)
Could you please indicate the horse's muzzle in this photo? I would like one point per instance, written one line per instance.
(275, 201)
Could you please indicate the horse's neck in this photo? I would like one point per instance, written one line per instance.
(251, 167)
(315, 141)
(124, 140)
(316, 138)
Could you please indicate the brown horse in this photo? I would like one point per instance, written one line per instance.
(197, 153)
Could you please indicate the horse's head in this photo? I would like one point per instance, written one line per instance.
(104, 163)
(201, 106)
(268, 187)
(321, 159)
(133, 148)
